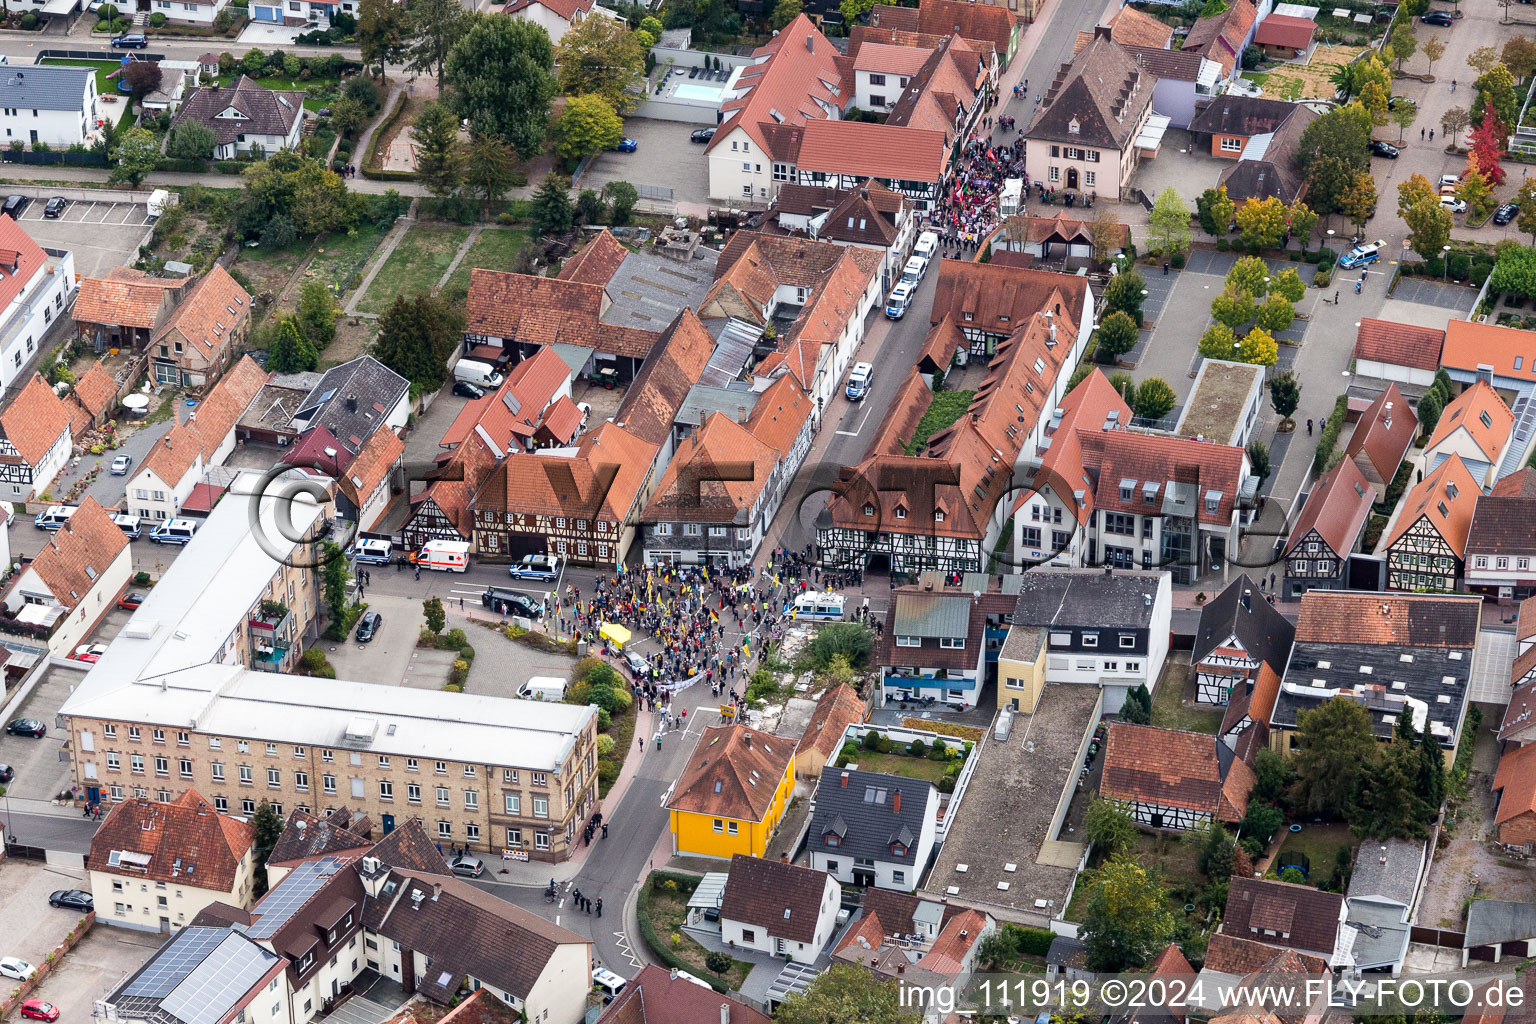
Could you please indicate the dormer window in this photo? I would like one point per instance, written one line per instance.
(901, 513)
(938, 515)
(833, 840)
(1073, 127)
(897, 850)
(869, 509)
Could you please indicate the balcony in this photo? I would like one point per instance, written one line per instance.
(271, 626)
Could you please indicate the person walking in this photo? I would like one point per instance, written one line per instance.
(1309, 432)
(599, 906)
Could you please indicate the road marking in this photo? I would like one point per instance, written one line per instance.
(622, 942)
(862, 421)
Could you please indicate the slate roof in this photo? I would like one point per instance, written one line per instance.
(187, 842)
(1265, 633)
(1411, 345)
(33, 421)
(1445, 498)
(784, 899)
(733, 772)
(78, 553)
(1103, 91)
(352, 401)
(654, 996)
(836, 709)
(213, 310)
(1235, 114)
(1382, 435)
(870, 813)
(1337, 508)
(45, 87)
(675, 364)
(1503, 526)
(262, 111)
(1171, 768)
(1387, 870)
(1302, 918)
(310, 835)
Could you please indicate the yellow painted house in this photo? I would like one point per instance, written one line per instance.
(1021, 668)
(732, 793)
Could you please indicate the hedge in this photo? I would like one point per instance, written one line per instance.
(231, 166)
(380, 133)
(1330, 436)
(662, 950)
(170, 165)
(1034, 941)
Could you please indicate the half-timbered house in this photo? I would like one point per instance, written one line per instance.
(1427, 546)
(1239, 633)
(1501, 543)
(1330, 527)
(1173, 779)
(34, 440)
(990, 302)
(440, 510)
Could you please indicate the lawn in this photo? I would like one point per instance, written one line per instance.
(1320, 845)
(326, 91)
(1305, 82)
(493, 249)
(104, 85)
(340, 260)
(947, 407)
(1168, 710)
(1168, 855)
(662, 914)
(902, 764)
(416, 265)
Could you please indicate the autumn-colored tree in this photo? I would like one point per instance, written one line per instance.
(1454, 121)
(1128, 920)
(1249, 274)
(1415, 190)
(1473, 189)
(1261, 223)
(1525, 199)
(1483, 59)
(1359, 201)
(1275, 313)
(1258, 347)
(1373, 88)
(1223, 209)
(1219, 342)
(1303, 220)
(1233, 307)
(1486, 143)
(1495, 86)
(1433, 49)
(1519, 55)
(1289, 284)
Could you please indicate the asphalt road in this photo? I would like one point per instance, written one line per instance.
(67, 833)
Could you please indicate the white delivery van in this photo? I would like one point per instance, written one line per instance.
(545, 688)
(159, 199)
(927, 244)
(476, 372)
(444, 555)
(913, 272)
(372, 551)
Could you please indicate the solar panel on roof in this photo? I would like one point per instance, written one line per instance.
(292, 892)
(175, 961)
(224, 975)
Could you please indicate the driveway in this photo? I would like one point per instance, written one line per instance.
(102, 961)
(109, 490)
(665, 159)
(262, 34)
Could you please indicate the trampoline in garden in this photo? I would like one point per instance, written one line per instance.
(1293, 859)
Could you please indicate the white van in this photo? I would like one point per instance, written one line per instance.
(175, 531)
(913, 272)
(444, 555)
(53, 517)
(927, 244)
(372, 551)
(129, 524)
(545, 688)
(476, 372)
(608, 983)
(817, 606)
(900, 299)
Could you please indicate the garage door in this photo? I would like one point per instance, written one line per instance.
(261, 13)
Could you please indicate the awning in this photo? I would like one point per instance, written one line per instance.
(615, 634)
(1152, 132)
(40, 614)
(709, 892)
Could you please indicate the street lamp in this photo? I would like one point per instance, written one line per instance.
(1445, 263)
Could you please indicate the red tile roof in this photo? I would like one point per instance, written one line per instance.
(96, 390)
(213, 311)
(34, 421)
(380, 453)
(906, 411)
(186, 841)
(1110, 456)
(1170, 768)
(1387, 619)
(1516, 777)
(1130, 27)
(836, 709)
(530, 387)
(78, 553)
(1519, 484)
(733, 772)
(1382, 435)
(463, 471)
(1337, 509)
(1286, 31)
(1220, 36)
(565, 9)
(655, 997)
(981, 22)
(562, 420)
(601, 482)
(1091, 406)
(882, 58)
(867, 149)
(597, 262)
(780, 414)
(1305, 918)
(125, 298)
(545, 310)
(674, 366)
(24, 258)
(692, 488)
(998, 299)
(1506, 350)
(1445, 499)
(209, 425)
(1385, 341)
(1482, 413)
(799, 82)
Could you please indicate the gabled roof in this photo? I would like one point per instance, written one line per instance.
(1387, 619)
(408, 848)
(1445, 499)
(654, 996)
(509, 416)
(601, 482)
(1000, 300)
(23, 257)
(1482, 413)
(1337, 508)
(1221, 35)
(175, 453)
(836, 709)
(892, 35)
(1096, 100)
(867, 149)
(1130, 27)
(1411, 345)
(905, 412)
(1285, 30)
(1519, 484)
(1515, 781)
(1387, 870)
(1277, 172)
(976, 22)
(203, 972)
(352, 401)
(380, 453)
(871, 814)
(1232, 954)
(34, 421)
(1095, 404)
(675, 364)
(247, 109)
(867, 215)
(780, 414)
(1383, 433)
(185, 842)
(462, 473)
(1503, 526)
(544, 311)
(565, 9)
(125, 298)
(884, 58)
(212, 311)
(46, 87)
(78, 553)
(1299, 916)
(1505, 351)
(1236, 114)
(783, 899)
(702, 482)
(797, 81)
(1254, 701)
(1170, 768)
(1166, 65)
(308, 835)
(1264, 633)
(1202, 468)
(733, 772)
(95, 390)
(597, 262)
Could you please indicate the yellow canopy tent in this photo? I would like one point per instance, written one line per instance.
(614, 634)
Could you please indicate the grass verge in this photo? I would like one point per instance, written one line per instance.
(662, 908)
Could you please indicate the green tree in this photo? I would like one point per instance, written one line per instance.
(1216, 854)
(1358, 202)
(602, 57)
(1272, 774)
(1124, 293)
(298, 187)
(417, 337)
(1343, 133)
(500, 78)
(290, 351)
(1303, 219)
(1404, 113)
(268, 829)
(1169, 220)
(253, 62)
(853, 10)
(137, 155)
(1525, 199)
(843, 994)
(1258, 347)
(1261, 821)
(621, 198)
(192, 141)
(1285, 393)
(1261, 223)
(1430, 407)
(587, 125)
(1430, 226)
(1275, 313)
(432, 27)
(1117, 336)
(1155, 398)
(1289, 284)
(1519, 55)
(348, 116)
(432, 611)
(335, 580)
(317, 313)
(1404, 45)
(1373, 87)
(1249, 275)
(1219, 342)
(1473, 189)
(1109, 825)
(1495, 86)
(1233, 307)
(1433, 49)
(853, 640)
(1137, 707)
(491, 169)
(438, 161)
(1337, 747)
(1128, 921)
(589, 207)
(381, 28)
(1455, 121)
(784, 12)
(1328, 181)
(1258, 458)
(552, 210)
(1412, 191)
(1387, 804)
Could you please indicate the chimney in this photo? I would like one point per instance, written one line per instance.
(725, 1013)
(416, 897)
(1388, 418)
(845, 780)
(810, 43)
(674, 974)
(1247, 600)
(746, 739)
(896, 802)
(1101, 31)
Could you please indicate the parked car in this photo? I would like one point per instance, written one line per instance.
(1505, 213)
(511, 602)
(536, 567)
(368, 626)
(131, 600)
(37, 1009)
(130, 41)
(1453, 204)
(89, 652)
(626, 145)
(1385, 149)
(1440, 18)
(1361, 255)
(16, 967)
(639, 668)
(466, 864)
(55, 206)
(7, 773)
(121, 464)
(27, 727)
(14, 205)
(859, 381)
(1449, 181)
(702, 135)
(72, 899)
(468, 389)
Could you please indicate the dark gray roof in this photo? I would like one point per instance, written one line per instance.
(1378, 677)
(1234, 114)
(1265, 633)
(352, 400)
(45, 87)
(1490, 921)
(1374, 935)
(263, 111)
(1103, 91)
(735, 401)
(1086, 597)
(1275, 172)
(647, 290)
(863, 813)
(1065, 952)
(1179, 65)
(932, 615)
(1387, 871)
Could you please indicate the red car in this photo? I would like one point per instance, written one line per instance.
(36, 1009)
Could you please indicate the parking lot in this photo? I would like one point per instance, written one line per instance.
(40, 775)
(102, 961)
(33, 928)
(665, 158)
(101, 233)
